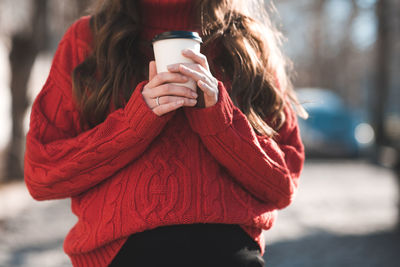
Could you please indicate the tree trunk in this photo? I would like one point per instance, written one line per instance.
(395, 69)
(388, 56)
(317, 61)
(383, 75)
(25, 46)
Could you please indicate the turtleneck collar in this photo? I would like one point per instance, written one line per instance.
(166, 15)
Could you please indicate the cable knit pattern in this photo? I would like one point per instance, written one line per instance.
(137, 171)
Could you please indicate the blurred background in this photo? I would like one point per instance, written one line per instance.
(346, 57)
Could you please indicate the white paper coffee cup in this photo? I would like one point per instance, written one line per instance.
(168, 47)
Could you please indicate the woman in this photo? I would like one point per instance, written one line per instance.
(153, 179)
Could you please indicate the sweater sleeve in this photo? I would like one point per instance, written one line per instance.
(62, 161)
(267, 168)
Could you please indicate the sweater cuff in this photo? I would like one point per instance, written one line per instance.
(212, 120)
(142, 120)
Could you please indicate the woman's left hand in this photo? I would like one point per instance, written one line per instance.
(200, 73)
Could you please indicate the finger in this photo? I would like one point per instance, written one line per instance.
(203, 74)
(173, 90)
(152, 70)
(193, 66)
(196, 57)
(194, 74)
(166, 77)
(189, 102)
(163, 109)
(207, 89)
(174, 67)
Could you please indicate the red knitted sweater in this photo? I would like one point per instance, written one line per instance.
(137, 171)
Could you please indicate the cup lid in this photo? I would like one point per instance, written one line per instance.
(177, 34)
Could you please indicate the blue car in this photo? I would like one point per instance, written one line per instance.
(332, 129)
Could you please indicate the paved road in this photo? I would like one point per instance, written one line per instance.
(343, 215)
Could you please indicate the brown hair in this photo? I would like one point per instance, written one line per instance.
(249, 58)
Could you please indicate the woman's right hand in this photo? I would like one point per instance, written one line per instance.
(161, 96)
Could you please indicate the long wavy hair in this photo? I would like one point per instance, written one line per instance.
(249, 58)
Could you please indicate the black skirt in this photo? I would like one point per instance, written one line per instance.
(193, 245)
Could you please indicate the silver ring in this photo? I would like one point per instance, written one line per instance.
(158, 100)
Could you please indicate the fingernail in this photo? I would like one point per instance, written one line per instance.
(194, 95)
(193, 101)
(171, 67)
(186, 51)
